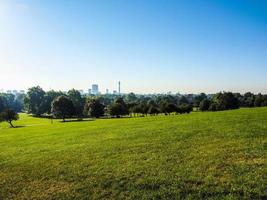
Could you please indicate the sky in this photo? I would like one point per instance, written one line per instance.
(151, 46)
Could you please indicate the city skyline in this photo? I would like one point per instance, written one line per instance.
(150, 46)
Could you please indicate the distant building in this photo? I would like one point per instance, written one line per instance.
(119, 87)
(89, 91)
(22, 92)
(107, 91)
(95, 90)
(114, 91)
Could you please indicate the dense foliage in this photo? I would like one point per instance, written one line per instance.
(11, 101)
(39, 103)
(94, 108)
(62, 107)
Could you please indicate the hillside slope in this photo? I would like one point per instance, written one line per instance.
(198, 155)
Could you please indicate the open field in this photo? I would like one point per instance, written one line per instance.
(200, 155)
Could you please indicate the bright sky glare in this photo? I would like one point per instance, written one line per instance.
(186, 46)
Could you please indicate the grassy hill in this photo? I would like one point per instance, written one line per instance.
(199, 155)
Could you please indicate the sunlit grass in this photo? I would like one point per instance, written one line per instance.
(198, 155)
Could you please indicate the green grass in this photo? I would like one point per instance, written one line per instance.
(220, 155)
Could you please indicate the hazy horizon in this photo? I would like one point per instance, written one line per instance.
(151, 46)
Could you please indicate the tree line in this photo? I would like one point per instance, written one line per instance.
(71, 104)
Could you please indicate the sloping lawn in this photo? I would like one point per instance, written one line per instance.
(219, 155)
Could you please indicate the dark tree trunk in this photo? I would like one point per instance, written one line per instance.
(10, 122)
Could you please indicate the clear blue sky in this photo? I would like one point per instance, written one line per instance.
(188, 46)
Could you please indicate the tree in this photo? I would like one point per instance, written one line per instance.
(131, 98)
(185, 108)
(170, 108)
(198, 99)
(153, 110)
(47, 100)
(34, 100)
(167, 108)
(9, 115)
(137, 109)
(258, 100)
(183, 100)
(14, 102)
(78, 101)
(144, 108)
(204, 105)
(118, 108)
(248, 100)
(18, 104)
(2, 103)
(225, 101)
(213, 106)
(94, 108)
(62, 107)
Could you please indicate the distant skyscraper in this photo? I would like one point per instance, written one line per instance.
(95, 89)
(119, 89)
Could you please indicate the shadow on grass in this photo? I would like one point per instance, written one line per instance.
(77, 120)
(22, 126)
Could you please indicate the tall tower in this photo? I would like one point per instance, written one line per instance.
(119, 87)
(95, 90)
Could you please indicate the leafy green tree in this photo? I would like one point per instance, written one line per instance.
(12, 101)
(170, 108)
(204, 105)
(264, 103)
(118, 108)
(167, 108)
(115, 109)
(258, 100)
(9, 115)
(62, 107)
(47, 100)
(183, 100)
(153, 110)
(213, 106)
(94, 108)
(198, 99)
(137, 109)
(34, 100)
(78, 101)
(144, 107)
(2, 103)
(184, 108)
(18, 104)
(225, 101)
(248, 100)
(131, 98)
